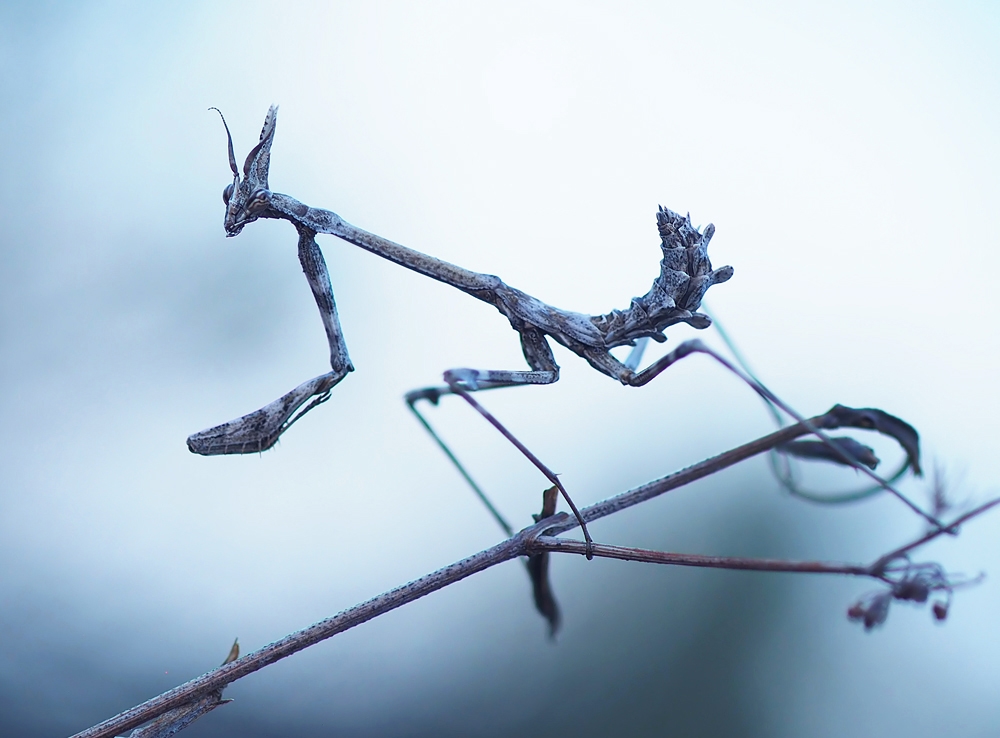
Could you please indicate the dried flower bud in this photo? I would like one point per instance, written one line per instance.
(856, 611)
(913, 588)
(940, 610)
(878, 610)
(871, 610)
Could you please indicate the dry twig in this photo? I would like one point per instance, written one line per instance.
(906, 581)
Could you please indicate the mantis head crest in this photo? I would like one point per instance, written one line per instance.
(248, 198)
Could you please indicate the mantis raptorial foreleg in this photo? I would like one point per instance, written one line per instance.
(259, 430)
(314, 267)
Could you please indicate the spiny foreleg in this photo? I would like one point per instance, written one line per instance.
(259, 430)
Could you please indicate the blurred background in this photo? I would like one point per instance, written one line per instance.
(848, 156)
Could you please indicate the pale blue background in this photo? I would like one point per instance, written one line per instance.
(848, 156)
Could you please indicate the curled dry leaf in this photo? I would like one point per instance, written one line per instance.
(545, 600)
(821, 451)
(869, 418)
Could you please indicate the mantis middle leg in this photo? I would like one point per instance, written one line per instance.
(463, 382)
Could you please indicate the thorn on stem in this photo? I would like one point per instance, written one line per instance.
(234, 653)
(550, 498)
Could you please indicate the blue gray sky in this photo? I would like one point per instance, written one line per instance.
(848, 158)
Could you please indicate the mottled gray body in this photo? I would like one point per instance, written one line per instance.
(675, 296)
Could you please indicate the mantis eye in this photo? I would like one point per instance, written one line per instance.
(227, 193)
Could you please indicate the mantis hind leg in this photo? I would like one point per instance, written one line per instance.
(544, 370)
(840, 450)
(464, 382)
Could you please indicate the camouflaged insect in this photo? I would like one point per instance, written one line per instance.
(685, 275)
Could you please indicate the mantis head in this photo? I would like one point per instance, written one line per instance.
(248, 198)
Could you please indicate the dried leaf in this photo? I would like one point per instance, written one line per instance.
(821, 451)
(549, 499)
(545, 600)
(869, 418)
(538, 568)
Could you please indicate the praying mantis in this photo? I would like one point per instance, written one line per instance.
(675, 296)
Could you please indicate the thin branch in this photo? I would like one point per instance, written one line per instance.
(528, 454)
(535, 539)
(509, 549)
(838, 450)
(295, 642)
(876, 570)
(625, 553)
(702, 469)
(951, 529)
